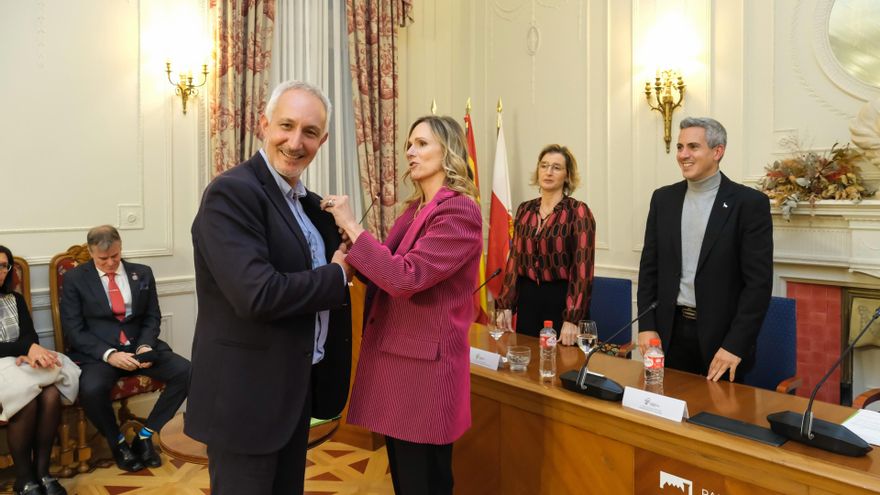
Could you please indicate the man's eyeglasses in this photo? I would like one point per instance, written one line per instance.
(5, 267)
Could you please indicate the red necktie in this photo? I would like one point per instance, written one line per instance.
(117, 304)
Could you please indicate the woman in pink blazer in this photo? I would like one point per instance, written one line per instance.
(413, 379)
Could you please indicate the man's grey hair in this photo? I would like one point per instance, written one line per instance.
(303, 86)
(102, 237)
(715, 133)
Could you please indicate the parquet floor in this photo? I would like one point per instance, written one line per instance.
(332, 468)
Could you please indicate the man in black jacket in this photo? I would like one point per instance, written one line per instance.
(110, 316)
(707, 261)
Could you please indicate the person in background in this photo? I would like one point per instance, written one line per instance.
(110, 315)
(413, 377)
(707, 261)
(549, 273)
(34, 380)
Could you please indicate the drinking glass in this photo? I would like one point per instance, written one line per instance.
(588, 335)
(519, 356)
(504, 320)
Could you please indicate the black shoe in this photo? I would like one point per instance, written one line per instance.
(51, 486)
(125, 459)
(31, 488)
(144, 450)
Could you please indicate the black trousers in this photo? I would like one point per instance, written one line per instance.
(684, 352)
(539, 302)
(419, 468)
(99, 377)
(277, 473)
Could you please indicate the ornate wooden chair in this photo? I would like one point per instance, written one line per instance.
(866, 398)
(125, 388)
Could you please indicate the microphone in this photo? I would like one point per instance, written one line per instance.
(594, 385)
(490, 277)
(822, 434)
(375, 198)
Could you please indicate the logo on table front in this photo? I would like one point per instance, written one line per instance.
(686, 486)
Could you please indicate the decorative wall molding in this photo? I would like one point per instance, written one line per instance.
(839, 235)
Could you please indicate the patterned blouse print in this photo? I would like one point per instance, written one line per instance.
(558, 248)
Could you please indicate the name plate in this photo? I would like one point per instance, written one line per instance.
(656, 404)
(485, 359)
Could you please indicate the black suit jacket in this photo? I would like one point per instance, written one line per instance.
(733, 281)
(90, 328)
(257, 300)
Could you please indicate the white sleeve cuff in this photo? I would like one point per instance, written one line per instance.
(107, 354)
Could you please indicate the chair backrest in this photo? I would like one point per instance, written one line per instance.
(21, 279)
(776, 354)
(611, 307)
(62, 263)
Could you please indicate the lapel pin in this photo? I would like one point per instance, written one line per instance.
(724, 204)
(134, 276)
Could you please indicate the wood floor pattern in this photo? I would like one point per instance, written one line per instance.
(331, 468)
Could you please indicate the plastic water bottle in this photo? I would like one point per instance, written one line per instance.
(548, 351)
(654, 363)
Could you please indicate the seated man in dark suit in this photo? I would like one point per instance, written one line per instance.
(110, 315)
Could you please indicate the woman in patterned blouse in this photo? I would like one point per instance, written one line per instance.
(549, 274)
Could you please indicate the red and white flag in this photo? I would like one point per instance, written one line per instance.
(500, 219)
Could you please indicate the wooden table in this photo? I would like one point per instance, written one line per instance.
(178, 445)
(530, 437)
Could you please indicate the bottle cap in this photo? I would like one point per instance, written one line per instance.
(548, 323)
(655, 342)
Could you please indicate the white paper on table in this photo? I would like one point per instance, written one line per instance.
(865, 424)
(656, 404)
(485, 359)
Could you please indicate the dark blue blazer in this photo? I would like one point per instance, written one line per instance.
(734, 278)
(257, 300)
(90, 328)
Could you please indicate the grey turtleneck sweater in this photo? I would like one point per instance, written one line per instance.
(698, 201)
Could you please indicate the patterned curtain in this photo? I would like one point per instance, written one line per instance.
(240, 89)
(372, 48)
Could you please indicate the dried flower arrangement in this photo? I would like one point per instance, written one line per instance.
(810, 176)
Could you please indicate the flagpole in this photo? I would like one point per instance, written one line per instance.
(433, 107)
(498, 118)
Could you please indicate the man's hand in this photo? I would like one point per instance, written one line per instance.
(645, 340)
(568, 333)
(142, 349)
(339, 258)
(123, 360)
(722, 362)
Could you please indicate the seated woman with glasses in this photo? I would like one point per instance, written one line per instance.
(549, 273)
(33, 379)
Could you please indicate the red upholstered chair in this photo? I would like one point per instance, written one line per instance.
(126, 387)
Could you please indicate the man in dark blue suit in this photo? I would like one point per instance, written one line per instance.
(707, 261)
(110, 315)
(272, 346)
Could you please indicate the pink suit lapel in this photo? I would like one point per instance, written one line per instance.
(412, 233)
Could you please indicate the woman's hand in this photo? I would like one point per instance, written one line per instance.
(340, 208)
(39, 357)
(568, 334)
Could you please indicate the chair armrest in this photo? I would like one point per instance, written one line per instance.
(866, 397)
(789, 385)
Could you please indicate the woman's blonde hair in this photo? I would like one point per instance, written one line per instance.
(572, 179)
(450, 135)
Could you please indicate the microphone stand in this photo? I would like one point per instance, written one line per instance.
(596, 385)
(490, 277)
(826, 436)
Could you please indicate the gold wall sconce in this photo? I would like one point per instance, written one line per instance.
(668, 92)
(184, 85)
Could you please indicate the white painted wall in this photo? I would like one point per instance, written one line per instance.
(91, 134)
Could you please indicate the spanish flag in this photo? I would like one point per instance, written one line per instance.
(480, 301)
